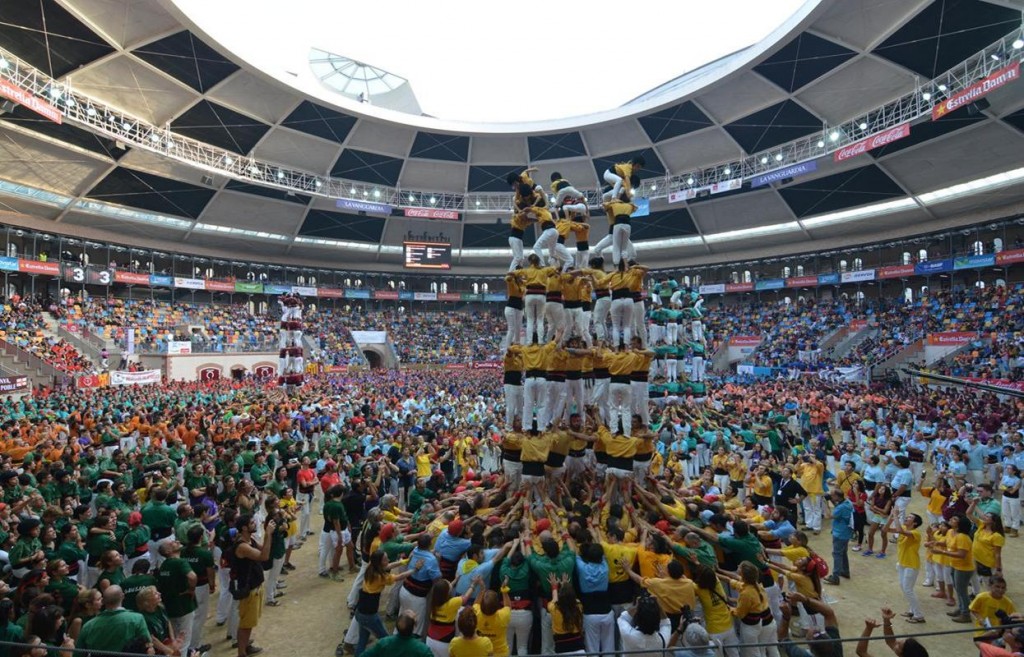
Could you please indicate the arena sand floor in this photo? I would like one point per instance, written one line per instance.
(313, 617)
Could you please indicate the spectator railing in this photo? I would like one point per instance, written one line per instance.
(82, 344)
(31, 360)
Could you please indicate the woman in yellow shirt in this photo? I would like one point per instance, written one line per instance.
(987, 547)
(493, 615)
(470, 644)
(442, 611)
(717, 616)
(566, 617)
(908, 561)
(377, 577)
(958, 548)
(756, 622)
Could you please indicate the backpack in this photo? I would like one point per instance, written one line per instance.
(818, 565)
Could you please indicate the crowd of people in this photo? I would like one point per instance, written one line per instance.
(21, 325)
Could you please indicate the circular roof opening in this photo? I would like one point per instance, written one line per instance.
(485, 62)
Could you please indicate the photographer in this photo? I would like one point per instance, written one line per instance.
(821, 644)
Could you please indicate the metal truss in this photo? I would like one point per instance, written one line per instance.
(130, 130)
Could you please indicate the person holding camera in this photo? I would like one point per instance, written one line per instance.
(246, 559)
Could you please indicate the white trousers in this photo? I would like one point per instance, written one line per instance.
(639, 328)
(599, 633)
(554, 316)
(408, 601)
(1011, 512)
(758, 634)
(697, 368)
(638, 401)
(908, 578)
(812, 511)
(599, 397)
(576, 324)
(200, 614)
(671, 332)
(575, 401)
(328, 543)
(603, 243)
(672, 369)
(518, 633)
(533, 393)
(602, 307)
(620, 406)
(513, 403)
(622, 321)
(516, 244)
(697, 330)
(615, 181)
(657, 333)
(183, 628)
(223, 595)
(554, 402)
(534, 306)
(514, 321)
(620, 242)
(549, 240)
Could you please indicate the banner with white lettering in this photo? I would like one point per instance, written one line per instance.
(119, 378)
(179, 347)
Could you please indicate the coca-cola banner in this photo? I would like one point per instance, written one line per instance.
(431, 213)
(997, 79)
(896, 271)
(872, 142)
(952, 338)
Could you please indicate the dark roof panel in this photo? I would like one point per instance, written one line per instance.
(320, 121)
(674, 121)
(219, 126)
(48, 37)
(368, 167)
(652, 169)
(802, 61)
(772, 126)
(840, 191)
(185, 57)
(556, 147)
(492, 178)
(341, 226)
(430, 146)
(491, 236)
(155, 193)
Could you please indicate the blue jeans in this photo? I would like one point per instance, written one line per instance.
(840, 557)
(369, 623)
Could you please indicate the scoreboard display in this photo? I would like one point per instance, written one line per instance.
(428, 255)
(89, 275)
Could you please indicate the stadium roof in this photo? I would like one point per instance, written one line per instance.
(833, 62)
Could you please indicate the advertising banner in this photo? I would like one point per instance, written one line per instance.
(727, 185)
(179, 347)
(495, 296)
(39, 267)
(745, 340)
(870, 143)
(129, 341)
(431, 213)
(712, 289)
(974, 261)
(159, 280)
(30, 101)
(933, 267)
(952, 338)
(897, 271)
(643, 207)
(248, 287)
(13, 383)
(364, 206)
(770, 284)
(8, 264)
(131, 278)
(406, 296)
(465, 296)
(370, 337)
(424, 296)
(488, 365)
(828, 279)
(120, 378)
(858, 276)
(189, 283)
(802, 281)
(449, 296)
(997, 79)
(998, 383)
(87, 381)
(1002, 258)
(277, 289)
(681, 195)
(781, 174)
(739, 287)
(219, 286)
(330, 293)
(304, 291)
(355, 293)
(391, 295)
